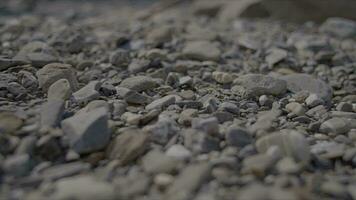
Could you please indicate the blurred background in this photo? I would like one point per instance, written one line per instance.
(289, 10)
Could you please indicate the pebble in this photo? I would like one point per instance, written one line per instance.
(87, 93)
(344, 107)
(53, 72)
(18, 165)
(305, 82)
(162, 102)
(128, 146)
(87, 132)
(156, 162)
(222, 77)
(201, 51)
(257, 85)
(139, 83)
(188, 181)
(178, 152)
(80, 187)
(296, 109)
(132, 97)
(162, 130)
(52, 113)
(291, 143)
(9, 122)
(60, 90)
(120, 58)
(314, 100)
(37, 53)
(209, 126)
(335, 126)
(238, 137)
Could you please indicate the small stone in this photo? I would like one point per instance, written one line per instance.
(188, 181)
(128, 146)
(257, 164)
(295, 109)
(257, 85)
(339, 27)
(162, 130)
(335, 126)
(37, 53)
(53, 72)
(159, 35)
(344, 107)
(287, 166)
(238, 137)
(178, 152)
(186, 116)
(82, 187)
(88, 92)
(222, 77)
(162, 102)
(18, 165)
(132, 97)
(202, 51)
(306, 82)
(87, 132)
(313, 100)
(139, 83)
(209, 126)
(265, 101)
(185, 81)
(163, 180)
(156, 162)
(60, 90)
(6, 63)
(131, 118)
(291, 143)
(9, 122)
(52, 113)
(200, 142)
(229, 107)
(138, 65)
(275, 56)
(120, 58)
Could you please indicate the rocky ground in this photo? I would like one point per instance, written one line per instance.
(111, 101)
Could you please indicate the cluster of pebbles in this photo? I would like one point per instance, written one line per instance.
(182, 104)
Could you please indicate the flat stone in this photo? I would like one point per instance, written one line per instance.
(202, 51)
(305, 82)
(335, 126)
(128, 146)
(60, 90)
(344, 107)
(87, 132)
(6, 63)
(257, 164)
(162, 102)
(186, 116)
(139, 83)
(258, 84)
(53, 72)
(291, 143)
(87, 93)
(52, 113)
